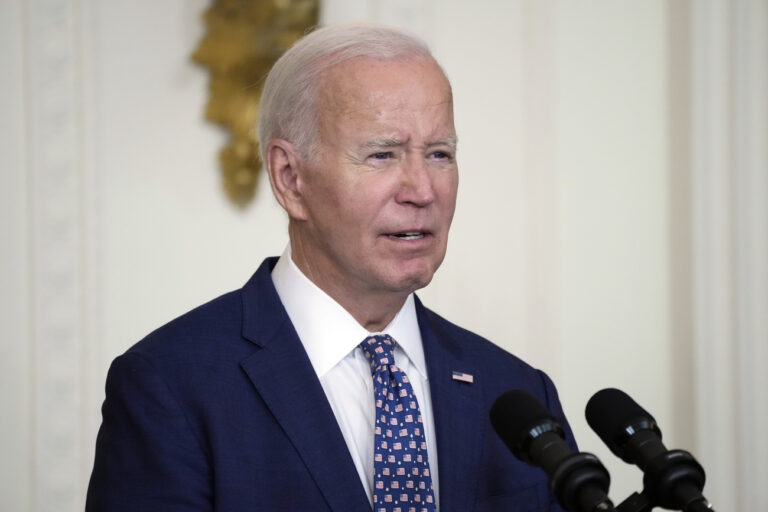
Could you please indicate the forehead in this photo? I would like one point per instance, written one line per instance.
(366, 86)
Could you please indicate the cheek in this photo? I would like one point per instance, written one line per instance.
(332, 203)
(448, 187)
(367, 199)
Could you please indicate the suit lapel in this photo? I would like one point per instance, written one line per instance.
(458, 416)
(284, 378)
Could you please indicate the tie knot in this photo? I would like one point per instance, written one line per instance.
(378, 351)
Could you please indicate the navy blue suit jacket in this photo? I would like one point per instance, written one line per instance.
(221, 410)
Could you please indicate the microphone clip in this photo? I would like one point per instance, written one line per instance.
(674, 479)
(580, 482)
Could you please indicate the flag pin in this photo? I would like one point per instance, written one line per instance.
(463, 377)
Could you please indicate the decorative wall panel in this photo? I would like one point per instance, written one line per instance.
(53, 117)
(730, 247)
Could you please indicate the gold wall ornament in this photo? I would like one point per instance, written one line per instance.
(243, 40)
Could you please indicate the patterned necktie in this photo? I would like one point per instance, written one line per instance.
(402, 481)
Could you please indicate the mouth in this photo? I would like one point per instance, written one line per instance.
(408, 235)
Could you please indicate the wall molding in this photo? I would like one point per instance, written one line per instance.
(55, 186)
(729, 127)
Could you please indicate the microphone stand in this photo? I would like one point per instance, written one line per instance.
(672, 479)
(639, 502)
(636, 502)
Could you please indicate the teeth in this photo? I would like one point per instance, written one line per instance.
(411, 235)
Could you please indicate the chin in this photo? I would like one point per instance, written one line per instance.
(415, 284)
(407, 275)
(412, 281)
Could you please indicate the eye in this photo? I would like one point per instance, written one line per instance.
(382, 155)
(441, 155)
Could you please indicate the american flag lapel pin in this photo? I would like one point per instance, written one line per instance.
(463, 377)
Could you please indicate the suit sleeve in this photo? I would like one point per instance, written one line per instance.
(147, 456)
(554, 406)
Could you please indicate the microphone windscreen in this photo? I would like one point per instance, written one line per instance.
(610, 411)
(514, 415)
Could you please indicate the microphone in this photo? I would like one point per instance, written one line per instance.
(578, 480)
(672, 479)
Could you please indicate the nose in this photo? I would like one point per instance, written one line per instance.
(416, 185)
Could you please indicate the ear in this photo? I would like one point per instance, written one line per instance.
(286, 167)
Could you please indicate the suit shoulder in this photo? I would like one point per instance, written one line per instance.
(501, 369)
(208, 324)
(473, 344)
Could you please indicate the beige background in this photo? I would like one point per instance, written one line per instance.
(612, 225)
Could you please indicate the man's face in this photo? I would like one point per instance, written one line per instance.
(380, 186)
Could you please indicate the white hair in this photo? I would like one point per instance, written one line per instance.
(288, 101)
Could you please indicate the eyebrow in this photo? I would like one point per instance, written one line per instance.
(391, 142)
(450, 140)
(388, 142)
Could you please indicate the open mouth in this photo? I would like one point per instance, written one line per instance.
(408, 235)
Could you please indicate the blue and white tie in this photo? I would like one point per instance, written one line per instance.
(402, 480)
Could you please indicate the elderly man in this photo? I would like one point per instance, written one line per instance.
(324, 384)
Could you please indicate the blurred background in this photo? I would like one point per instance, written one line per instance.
(611, 229)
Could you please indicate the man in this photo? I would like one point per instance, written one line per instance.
(284, 395)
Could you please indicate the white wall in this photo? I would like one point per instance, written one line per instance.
(565, 247)
(14, 270)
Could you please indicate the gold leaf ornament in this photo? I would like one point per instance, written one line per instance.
(243, 40)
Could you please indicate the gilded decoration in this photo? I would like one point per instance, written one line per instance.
(243, 40)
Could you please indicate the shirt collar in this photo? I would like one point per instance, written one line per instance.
(327, 331)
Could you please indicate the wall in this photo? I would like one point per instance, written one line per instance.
(573, 243)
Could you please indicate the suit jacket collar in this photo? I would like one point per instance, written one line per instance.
(284, 378)
(456, 406)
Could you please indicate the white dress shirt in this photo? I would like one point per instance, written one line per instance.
(331, 336)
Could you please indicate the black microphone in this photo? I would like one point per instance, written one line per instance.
(672, 479)
(578, 480)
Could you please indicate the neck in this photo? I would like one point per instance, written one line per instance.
(373, 310)
(373, 318)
